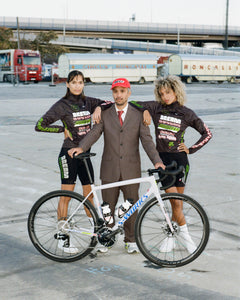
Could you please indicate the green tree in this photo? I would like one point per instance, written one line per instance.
(49, 52)
(42, 42)
(6, 38)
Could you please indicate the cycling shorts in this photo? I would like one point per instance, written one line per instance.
(181, 160)
(71, 168)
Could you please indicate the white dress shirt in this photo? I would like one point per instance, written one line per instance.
(124, 111)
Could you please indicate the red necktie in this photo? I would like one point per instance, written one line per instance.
(120, 112)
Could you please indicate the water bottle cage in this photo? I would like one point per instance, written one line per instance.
(124, 209)
(107, 215)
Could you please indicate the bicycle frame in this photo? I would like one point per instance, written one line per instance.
(160, 239)
(152, 190)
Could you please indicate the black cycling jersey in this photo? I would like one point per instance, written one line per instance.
(171, 122)
(75, 115)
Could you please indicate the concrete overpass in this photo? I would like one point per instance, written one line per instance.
(152, 32)
(79, 44)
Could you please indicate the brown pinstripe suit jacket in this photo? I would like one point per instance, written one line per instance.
(121, 156)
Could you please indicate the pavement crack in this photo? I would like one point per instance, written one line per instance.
(28, 162)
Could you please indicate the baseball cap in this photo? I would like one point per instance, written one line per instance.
(123, 82)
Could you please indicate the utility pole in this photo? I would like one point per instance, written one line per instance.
(226, 27)
(18, 35)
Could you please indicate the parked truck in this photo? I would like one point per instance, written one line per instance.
(107, 67)
(21, 65)
(204, 67)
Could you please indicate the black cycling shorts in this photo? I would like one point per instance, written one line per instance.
(181, 160)
(70, 168)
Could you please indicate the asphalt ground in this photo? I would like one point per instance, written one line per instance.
(28, 168)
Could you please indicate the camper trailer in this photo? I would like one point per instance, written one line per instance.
(106, 67)
(204, 67)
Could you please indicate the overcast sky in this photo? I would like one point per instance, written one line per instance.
(207, 12)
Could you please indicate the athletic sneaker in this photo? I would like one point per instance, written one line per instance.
(167, 245)
(71, 249)
(131, 248)
(187, 241)
(102, 249)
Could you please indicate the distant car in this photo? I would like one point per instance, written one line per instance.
(47, 72)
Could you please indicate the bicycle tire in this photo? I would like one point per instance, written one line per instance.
(151, 230)
(42, 226)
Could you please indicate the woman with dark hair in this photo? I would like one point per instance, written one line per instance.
(74, 110)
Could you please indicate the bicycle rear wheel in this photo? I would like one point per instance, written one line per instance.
(49, 239)
(153, 233)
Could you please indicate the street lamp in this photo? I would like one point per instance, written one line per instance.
(226, 27)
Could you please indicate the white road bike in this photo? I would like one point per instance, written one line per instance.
(153, 226)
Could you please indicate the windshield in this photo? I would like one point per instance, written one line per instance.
(31, 60)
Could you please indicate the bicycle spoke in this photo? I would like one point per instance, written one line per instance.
(159, 245)
(75, 240)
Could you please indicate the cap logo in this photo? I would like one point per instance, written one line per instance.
(119, 81)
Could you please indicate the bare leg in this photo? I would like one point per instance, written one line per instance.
(177, 213)
(63, 203)
(86, 190)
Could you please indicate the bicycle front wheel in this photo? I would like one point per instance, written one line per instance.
(155, 239)
(72, 240)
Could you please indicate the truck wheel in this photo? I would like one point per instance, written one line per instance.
(5, 78)
(189, 80)
(232, 80)
(142, 80)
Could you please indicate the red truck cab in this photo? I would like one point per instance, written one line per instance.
(27, 65)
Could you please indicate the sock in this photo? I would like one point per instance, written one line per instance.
(184, 228)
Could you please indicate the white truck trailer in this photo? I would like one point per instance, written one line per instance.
(204, 67)
(106, 67)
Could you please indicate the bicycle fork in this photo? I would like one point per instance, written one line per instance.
(163, 209)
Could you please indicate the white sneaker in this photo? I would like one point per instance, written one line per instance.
(131, 248)
(186, 239)
(71, 249)
(168, 244)
(102, 249)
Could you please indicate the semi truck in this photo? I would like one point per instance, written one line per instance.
(204, 67)
(98, 67)
(20, 65)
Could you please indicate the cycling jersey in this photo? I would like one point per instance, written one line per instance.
(75, 115)
(170, 123)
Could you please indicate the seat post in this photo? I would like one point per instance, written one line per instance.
(88, 171)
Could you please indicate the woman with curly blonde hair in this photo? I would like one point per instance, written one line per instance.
(170, 83)
(171, 118)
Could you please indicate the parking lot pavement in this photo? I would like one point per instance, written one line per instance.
(28, 168)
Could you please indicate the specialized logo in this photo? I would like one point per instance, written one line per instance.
(133, 209)
(74, 107)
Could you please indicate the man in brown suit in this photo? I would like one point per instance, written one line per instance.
(121, 158)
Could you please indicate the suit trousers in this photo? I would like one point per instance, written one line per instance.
(111, 197)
